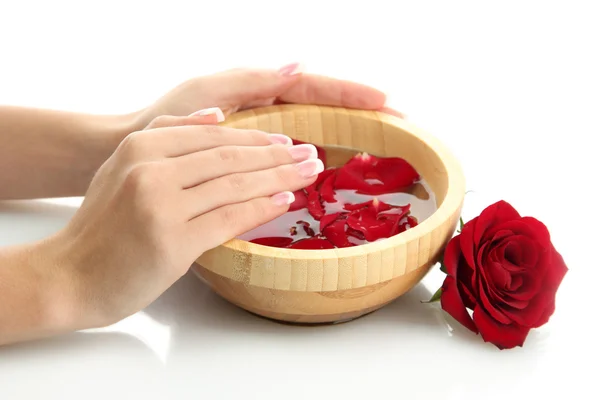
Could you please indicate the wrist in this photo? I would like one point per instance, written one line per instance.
(35, 297)
(59, 309)
(101, 136)
(115, 129)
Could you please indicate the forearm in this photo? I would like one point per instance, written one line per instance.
(46, 153)
(34, 295)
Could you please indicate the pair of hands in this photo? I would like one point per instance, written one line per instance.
(182, 186)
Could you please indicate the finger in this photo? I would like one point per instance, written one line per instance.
(209, 116)
(252, 86)
(235, 219)
(321, 90)
(196, 168)
(241, 187)
(289, 84)
(156, 144)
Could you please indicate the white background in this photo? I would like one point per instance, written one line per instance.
(511, 87)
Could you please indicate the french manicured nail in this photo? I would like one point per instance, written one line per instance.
(291, 69)
(303, 152)
(210, 111)
(309, 168)
(277, 138)
(283, 198)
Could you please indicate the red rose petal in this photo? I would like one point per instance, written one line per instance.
(467, 246)
(481, 255)
(354, 233)
(501, 234)
(320, 179)
(309, 231)
(498, 275)
(387, 211)
(373, 175)
(412, 221)
(466, 294)
(541, 305)
(329, 219)
(456, 267)
(484, 300)
(516, 253)
(503, 336)
(300, 202)
(376, 219)
(397, 218)
(556, 271)
(315, 207)
(528, 271)
(530, 286)
(273, 241)
(531, 314)
(452, 303)
(492, 272)
(493, 216)
(313, 243)
(366, 221)
(547, 313)
(375, 204)
(336, 233)
(527, 226)
(357, 206)
(452, 256)
(513, 303)
(522, 252)
(515, 283)
(554, 277)
(326, 191)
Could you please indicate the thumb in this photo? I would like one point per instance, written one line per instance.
(250, 87)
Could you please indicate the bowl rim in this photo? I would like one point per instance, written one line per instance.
(452, 202)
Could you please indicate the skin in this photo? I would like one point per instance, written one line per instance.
(158, 180)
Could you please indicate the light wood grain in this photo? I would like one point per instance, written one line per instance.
(329, 285)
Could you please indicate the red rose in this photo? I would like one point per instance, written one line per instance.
(504, 268)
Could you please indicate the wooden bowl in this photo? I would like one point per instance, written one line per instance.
(326, 286)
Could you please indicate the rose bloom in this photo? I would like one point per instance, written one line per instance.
(504, 268)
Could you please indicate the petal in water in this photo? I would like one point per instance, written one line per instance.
(273, 241)
(313, 243)
(372, 175)
(300, 202)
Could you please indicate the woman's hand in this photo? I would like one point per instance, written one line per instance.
(164, 197)
(241, 89)
(47, 153)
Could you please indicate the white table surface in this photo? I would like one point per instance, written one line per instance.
(512, 90)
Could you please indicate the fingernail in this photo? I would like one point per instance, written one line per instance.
(303, 152)
(291, 69)
(277, 138)
(210, 111)
(283, 198)
(309, 168)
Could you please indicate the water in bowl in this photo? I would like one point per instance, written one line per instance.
(299, 224)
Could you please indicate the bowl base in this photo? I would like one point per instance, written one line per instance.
(310, 308)
(309, 324)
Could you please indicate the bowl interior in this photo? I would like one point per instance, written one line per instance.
(363, 131)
